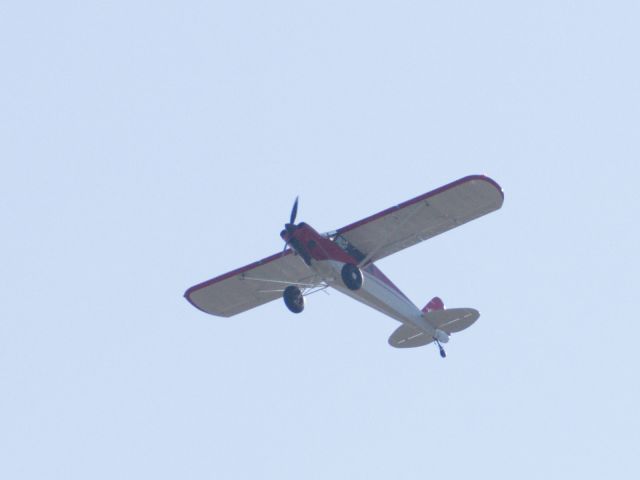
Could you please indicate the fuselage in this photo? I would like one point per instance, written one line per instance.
(327, 255)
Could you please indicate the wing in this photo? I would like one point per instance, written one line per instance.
(423, 217)
(250, 286)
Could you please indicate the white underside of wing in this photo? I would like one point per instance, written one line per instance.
(424, 217)
(250, 286)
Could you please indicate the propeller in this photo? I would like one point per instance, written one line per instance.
(291, 226)
(294, 212)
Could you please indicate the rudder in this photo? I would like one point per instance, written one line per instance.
(435, 303)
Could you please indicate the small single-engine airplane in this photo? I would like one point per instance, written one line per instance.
(344, 259)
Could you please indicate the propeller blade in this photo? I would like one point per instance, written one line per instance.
(294, 212)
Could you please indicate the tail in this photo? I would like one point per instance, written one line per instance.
(446, 321)
(449, 321)
(435, 303)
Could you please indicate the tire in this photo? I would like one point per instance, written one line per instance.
(293, 299)
(352, 276)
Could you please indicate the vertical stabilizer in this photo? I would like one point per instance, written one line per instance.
(435, 303)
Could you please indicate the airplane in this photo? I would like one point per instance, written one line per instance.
(344, 260)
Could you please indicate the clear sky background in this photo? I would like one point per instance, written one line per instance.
(148, 146)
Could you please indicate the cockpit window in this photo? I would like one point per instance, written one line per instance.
(344, 244)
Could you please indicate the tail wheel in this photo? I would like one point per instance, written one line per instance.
(352, 276)
(293, 299)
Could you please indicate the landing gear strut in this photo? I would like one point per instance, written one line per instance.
(443, 354)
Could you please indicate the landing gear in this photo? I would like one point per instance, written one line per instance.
(293, 299)
(351, 276)
(443, 354)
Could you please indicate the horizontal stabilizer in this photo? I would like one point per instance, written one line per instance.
(408, 336)
(453, 319)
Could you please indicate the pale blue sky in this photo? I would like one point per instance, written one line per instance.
(147, 146)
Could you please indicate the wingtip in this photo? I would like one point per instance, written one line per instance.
(187, 296)
(491, 181)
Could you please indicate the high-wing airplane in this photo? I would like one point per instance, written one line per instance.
(344, 260)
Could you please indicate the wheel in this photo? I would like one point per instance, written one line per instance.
(352, 276)
(293, 299)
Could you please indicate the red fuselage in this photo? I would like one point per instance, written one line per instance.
(310, 244)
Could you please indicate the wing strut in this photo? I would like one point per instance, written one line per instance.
(244, 277)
